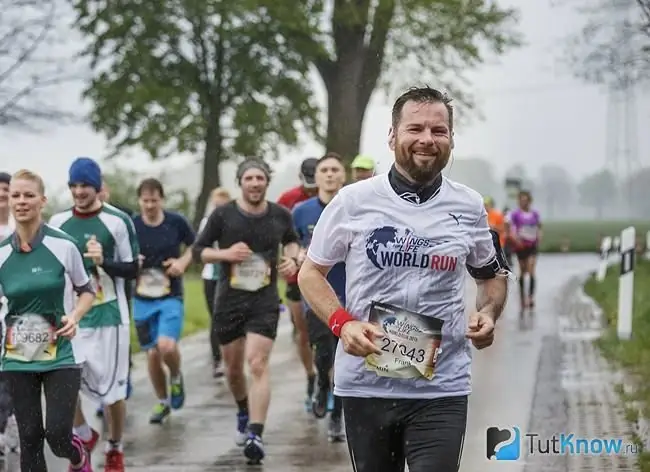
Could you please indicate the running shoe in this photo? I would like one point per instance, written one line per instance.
(159, 414)
(178, 393)
(242, 423)
(114, 461)
(335, 431)
(319, 403)
(217, 370)
(254, 448)
(92, 442)
(86, 466)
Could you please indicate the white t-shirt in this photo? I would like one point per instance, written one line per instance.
(209, 271)
(6, 230)
(412, 257)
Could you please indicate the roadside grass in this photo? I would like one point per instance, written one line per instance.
(632, 355)
(584, 236)
(196, 313)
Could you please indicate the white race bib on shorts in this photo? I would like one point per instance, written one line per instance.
(251, 275)
(153, 283)
(411, 346)
(30, 337)
(104, 287)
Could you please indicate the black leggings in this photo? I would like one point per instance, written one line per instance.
(324, 353)
(61, 390)
(383, 434)
(210, 292)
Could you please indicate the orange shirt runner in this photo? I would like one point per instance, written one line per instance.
(497, 222)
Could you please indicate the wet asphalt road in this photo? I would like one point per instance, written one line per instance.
(200, 436)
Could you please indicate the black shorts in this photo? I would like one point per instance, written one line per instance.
(526, 252)
(384, 433)
(293, 293)
(231, 326)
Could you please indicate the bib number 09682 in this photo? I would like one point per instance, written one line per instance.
(392, 347)
(30, 337)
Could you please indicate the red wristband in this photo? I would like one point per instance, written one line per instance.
(338, 319)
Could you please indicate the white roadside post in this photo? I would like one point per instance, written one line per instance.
(647, 245)
(605, 248)
(626, 283)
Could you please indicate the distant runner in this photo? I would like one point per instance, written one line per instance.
(7, 226)
(158, 308)
(526, 231)
(330, 177)
(256, 243)
(289, 200)
(7, 223)
(363, 167)
(496, 220)
(210, 275)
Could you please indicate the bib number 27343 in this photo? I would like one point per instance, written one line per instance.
(411, 346)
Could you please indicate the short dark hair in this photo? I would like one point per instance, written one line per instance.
(424, 94)
(526, 193)
(151, 185)
(331, 155)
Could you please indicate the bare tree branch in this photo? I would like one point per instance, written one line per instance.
(35, 61)
(613, 47)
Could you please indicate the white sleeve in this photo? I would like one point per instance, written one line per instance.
(482, 251)
(331, 238)
(75, 267)
(202, 224)
(126, 243)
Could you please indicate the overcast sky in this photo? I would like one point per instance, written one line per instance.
(534, 113)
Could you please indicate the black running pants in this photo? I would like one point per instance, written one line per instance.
(385, 434)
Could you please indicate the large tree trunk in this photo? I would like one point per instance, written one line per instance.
(211, 177)
(351, 77)
(345, 112)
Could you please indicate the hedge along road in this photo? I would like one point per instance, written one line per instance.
(199, 437)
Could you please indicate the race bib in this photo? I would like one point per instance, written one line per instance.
(251, 275)
(153, 283)
(103, 285)
(411, 346)
(30, 337)
(528, 232)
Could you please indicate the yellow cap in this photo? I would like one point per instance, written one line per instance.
(363, 162)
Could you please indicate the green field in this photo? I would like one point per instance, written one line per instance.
(196, 313)
(632, 355)
(584, 236)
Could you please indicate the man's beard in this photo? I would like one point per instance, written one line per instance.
(421, 174)
(255, 202)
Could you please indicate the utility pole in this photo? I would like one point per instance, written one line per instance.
(622, 116)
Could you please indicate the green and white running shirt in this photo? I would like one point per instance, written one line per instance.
(114, 230)
(40, 289)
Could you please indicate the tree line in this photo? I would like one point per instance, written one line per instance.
(222, 79)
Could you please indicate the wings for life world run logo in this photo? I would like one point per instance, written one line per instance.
(400, 247)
